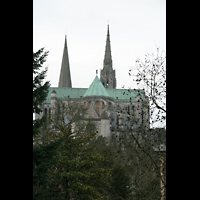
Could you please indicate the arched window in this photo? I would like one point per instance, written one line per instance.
(107, 84)
(133, 109)
(49, 113)
(117, 121)
(109, 105)
(45, 111)
(58, 112)
(97, 106)
(142, 116)
(63, 106)
(85, 105)
(103, 105)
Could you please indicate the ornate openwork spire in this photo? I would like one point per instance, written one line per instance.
(108, 57)
(107, 74)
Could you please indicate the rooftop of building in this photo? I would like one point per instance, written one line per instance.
(96, 89)
(118, 95)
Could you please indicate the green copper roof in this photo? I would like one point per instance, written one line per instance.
(64, 92)
(119, 95)
(96, 89)
(124, 94)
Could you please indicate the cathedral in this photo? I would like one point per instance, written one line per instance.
(113, 110)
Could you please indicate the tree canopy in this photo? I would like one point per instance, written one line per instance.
(40, 90)
(42, 154)
(70, 160)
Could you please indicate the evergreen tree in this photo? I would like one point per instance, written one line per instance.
(81, 172)
(121, 183)
(42, 161)
(42, 155)
(40, 90)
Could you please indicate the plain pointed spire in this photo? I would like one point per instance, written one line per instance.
(65, 76)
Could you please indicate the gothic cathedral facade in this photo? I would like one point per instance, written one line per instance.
(113, 110)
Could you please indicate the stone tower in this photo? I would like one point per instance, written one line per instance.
(65, 77)
(107, 75)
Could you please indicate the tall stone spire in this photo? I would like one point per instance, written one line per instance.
(65, 77)
(107, 74)
(107, 57)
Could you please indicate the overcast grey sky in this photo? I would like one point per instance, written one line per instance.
(136, 27)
